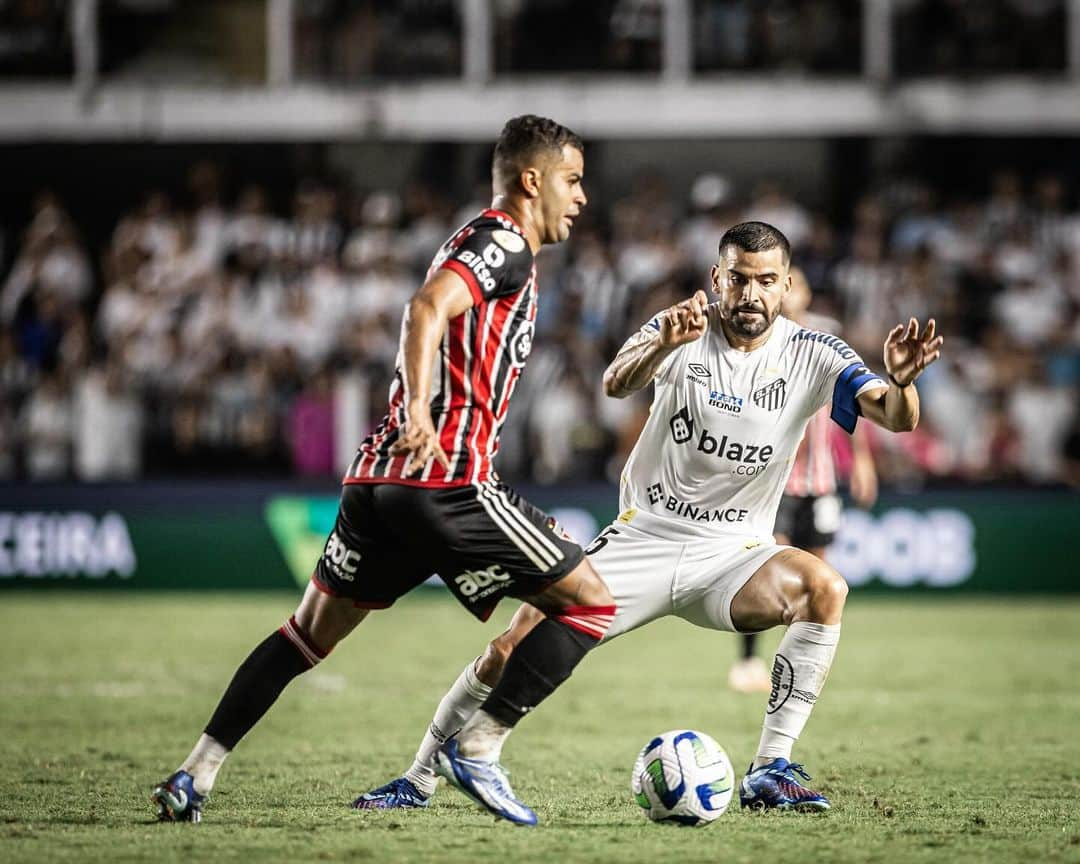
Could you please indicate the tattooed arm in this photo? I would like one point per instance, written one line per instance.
(644, 353)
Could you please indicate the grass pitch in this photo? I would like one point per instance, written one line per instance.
(947, 732)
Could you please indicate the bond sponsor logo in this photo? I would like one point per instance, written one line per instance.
(697, 373)
(509, 241)
(492, 258)
(682, 426)
(693, 512)
(58, 545)
(731, 405)
(837, 344)
(772, 396)
(477, 584)
(783, 681)
(521, 344)
(340, 558)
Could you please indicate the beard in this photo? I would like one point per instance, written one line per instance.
(750, 324)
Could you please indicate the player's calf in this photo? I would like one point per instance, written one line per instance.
(579, 609)
(537, 666)
(286, 653)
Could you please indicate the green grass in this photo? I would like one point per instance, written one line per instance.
(947, 732)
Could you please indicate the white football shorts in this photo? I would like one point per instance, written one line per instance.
(651, 577)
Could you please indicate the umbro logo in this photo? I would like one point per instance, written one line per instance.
(697, 373)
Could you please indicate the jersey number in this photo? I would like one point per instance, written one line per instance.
(601, 541)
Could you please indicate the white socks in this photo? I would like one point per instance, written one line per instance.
(456, 707)
(204, 763)
(483, 736)
(799, 670)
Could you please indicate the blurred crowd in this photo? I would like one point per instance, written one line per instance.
(352, 41)
(221, 336)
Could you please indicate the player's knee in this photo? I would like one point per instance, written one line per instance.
(825, 592)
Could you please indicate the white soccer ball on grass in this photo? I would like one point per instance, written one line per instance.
(683, 777)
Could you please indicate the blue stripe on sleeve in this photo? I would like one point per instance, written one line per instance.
(845, 407)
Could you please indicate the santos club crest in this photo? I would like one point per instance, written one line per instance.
(772, 396)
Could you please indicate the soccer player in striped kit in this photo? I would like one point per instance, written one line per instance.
(734, 386)
(421, 496)
(810, 509)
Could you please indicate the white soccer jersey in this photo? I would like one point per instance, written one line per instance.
(725, 425)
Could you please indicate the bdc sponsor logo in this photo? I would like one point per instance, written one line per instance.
(693, 512)
(341, 558)
(749, 459)
(476, 584)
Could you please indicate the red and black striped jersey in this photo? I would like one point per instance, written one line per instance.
(481, 357)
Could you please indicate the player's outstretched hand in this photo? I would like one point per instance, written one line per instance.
(419, 443)
(907, 353)
(684, 322)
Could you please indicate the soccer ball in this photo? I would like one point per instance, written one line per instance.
(684, 777)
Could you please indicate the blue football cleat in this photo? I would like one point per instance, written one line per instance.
(774, 786)
(485, 782)
(399, 794)
(177, 800)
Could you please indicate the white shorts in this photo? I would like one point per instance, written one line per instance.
(651, 577)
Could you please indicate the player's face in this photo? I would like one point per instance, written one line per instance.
(751, 285)
(562, 196)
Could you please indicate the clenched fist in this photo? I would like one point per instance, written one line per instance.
(684, 322)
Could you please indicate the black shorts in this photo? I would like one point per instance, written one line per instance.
(485, 542)
(809, 522)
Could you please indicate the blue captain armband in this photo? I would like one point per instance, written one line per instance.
(845, 407)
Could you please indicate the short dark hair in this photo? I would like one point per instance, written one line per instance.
(523, 137)
(755, 237)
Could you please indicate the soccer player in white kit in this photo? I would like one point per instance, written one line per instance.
(735, 385)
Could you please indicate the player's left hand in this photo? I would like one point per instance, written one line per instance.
(907, 353)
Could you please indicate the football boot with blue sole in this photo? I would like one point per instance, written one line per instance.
(774, 786)
(399, 794)
(485, 782)
(177, 800)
